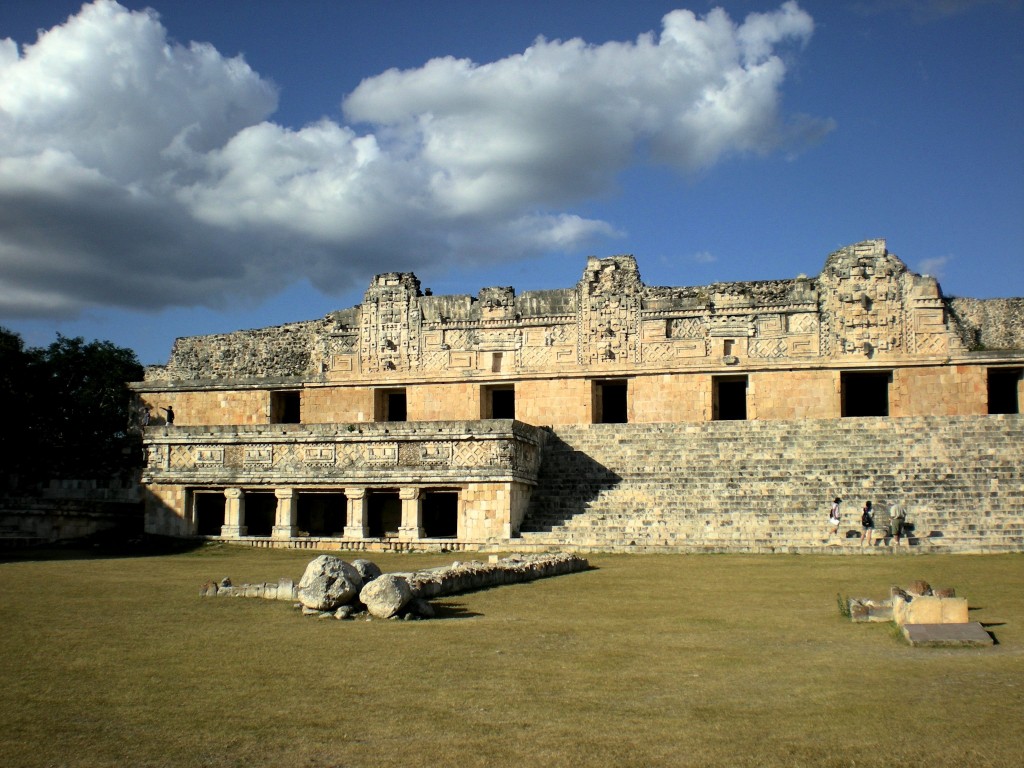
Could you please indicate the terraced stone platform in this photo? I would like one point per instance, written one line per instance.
(765, 486)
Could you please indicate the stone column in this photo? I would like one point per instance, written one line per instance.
(287, 508)
(234, 514)
(355, 519)
(412, 514)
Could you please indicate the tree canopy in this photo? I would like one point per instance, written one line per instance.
(68, 408)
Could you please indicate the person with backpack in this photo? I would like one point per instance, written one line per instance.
(867, 523)
(897, 521)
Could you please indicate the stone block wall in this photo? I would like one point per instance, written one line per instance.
(669, 398)
(210, 407)
(493, 510)
(959, 390)
(807, 394)
(337, 405)
(555, 401)
(444, 402)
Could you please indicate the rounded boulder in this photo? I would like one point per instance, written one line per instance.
(386, 595)
(328, 583)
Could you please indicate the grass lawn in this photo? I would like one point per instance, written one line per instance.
(670, 660)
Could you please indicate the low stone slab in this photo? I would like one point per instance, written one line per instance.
(969, 635)
(865, 610)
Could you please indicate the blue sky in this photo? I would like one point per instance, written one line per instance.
(212, 166)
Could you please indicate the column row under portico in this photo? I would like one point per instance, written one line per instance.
(356, 520)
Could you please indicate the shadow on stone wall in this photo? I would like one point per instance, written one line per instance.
(567, 482)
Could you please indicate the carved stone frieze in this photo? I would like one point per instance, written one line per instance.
(864, 303)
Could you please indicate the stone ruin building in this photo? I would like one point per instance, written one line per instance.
(611, 415)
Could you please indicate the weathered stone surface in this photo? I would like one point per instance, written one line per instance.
(928, 609)
(386, 595)
(864, 610)
(919, 588)
(971, 634)
(328, 583)
(367, 569)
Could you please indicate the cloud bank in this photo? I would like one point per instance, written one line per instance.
(140, 173)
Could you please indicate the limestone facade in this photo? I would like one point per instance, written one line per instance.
(411, 401)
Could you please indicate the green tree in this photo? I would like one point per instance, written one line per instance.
(68, 408)
(14, 387)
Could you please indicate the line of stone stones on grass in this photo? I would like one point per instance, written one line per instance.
(333, 588)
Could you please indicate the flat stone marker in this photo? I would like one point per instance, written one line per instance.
(970, 635)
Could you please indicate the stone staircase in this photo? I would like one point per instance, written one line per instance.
(766, 486)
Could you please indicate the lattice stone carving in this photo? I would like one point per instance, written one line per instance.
(688, 328)
(767, 348)
(473, 453)
(182, 457)
(802, 322)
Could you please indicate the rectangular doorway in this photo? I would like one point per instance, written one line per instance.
(865, 393)
(208, 512)
(729, 398)
(440, 514)
(498, 402)
(260, 512)
(1004, 390)
(389, 405)
(611, 401)
(322, 513)
(384, 514)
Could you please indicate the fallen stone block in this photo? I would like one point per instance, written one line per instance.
(967, 635)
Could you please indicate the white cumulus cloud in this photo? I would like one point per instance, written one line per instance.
(138, 172)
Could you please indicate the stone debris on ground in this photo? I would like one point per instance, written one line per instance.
(333, 588)
(925, 616)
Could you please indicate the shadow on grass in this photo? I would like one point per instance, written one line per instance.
(104, 545)
(453, 611)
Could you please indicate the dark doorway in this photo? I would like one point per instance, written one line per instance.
(208, 511)
(441, 514)
(260, 512)
(390, 405)
(322, 513)
(384, 514)
(498, 402)
(729, 399)
(1003, 390)
(611, 402)
(865, 393)
(285, 408)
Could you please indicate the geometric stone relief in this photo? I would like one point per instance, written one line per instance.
(770, 325)
(687, 328)
(318, 455)
(767, 348)
(261, 456)
(474, 453)
(803, 322)
(741, 325)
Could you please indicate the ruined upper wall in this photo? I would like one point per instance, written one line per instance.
(989, 324)
(865, 305)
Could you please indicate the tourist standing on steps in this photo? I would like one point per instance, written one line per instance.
(867, 522)
(897, 519)
(170, 414)
(833, 515)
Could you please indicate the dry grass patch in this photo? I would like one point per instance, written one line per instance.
(645, 660)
